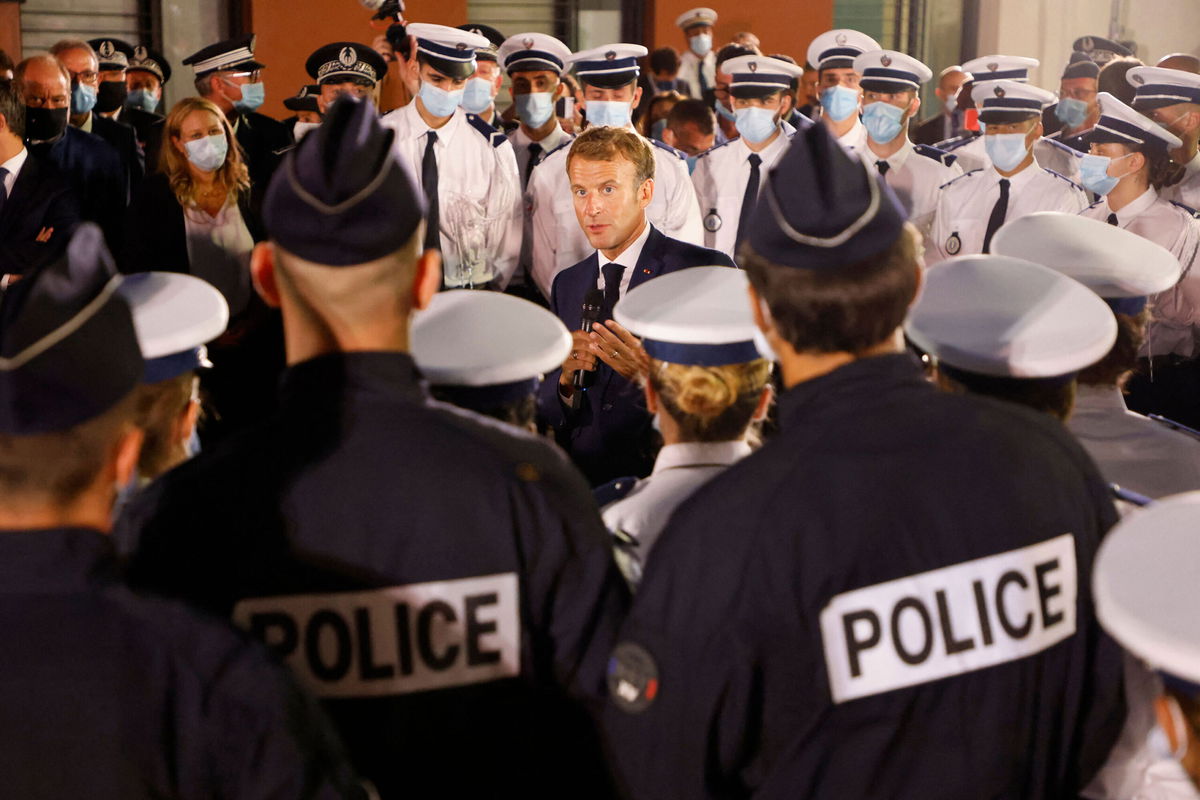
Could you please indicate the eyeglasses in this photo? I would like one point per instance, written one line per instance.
(90, 76)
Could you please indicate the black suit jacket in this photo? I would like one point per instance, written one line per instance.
(93, 169)
(263, 141)
(933, 130)
(148, 128)
(124, 140)
(41, 200)
(610, 435)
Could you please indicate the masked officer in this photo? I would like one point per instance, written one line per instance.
(307, 107)
(972, 207)
(1171, 97)
(467, 169)
(443, 584)
(114, 695)
(608, 76)
(147, 74)
(479, 95)
(1076, 111)
(345, 68)
(936, 638)
(698, 64)
(729, 177)
(833, 54)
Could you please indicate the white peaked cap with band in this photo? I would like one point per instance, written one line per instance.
(175, 316)
(838, 48)
(696, 16)
(1006, 317)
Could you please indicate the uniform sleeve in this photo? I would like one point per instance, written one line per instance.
(545, 253)
(505, 175)
(684, 208)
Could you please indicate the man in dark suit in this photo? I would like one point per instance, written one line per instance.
(948, 121)
(228, 75)
(37, 208)
(91, 167)
(603, 423)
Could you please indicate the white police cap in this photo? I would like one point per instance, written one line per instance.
(995, 68)
(1116, 264)
(452, 49)
(1008, 100)
(467, 338)
(1121, 124)
(612, 65)
(1144, 585)
(699, 316)
(1155, 87)
(760, 72)
(890, 71)
(1005, 317)
(838, 48)
(174, 316)
(696, 16)
(534, 51)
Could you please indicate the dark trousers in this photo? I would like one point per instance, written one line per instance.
(1169, 387)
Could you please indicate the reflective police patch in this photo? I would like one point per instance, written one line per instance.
(950, 621)
(632, 678)
(395, 640)
(953, 244)
(712, 222)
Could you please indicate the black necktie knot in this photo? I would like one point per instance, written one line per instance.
(1112, 220)
(883, 167)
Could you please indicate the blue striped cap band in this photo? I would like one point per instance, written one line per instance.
(606, 67)
(1126, 305)
(892, 76)
(839, 52)
(533, 60)
(760, 79)
(1012, 104)
(174, 365)
(703, 355)
(1156, 95)
(446, 52)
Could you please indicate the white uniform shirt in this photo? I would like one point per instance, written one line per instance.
(1187, 191)
(916, 180)
(1049, 153)
(720, 178)
(521, 141)
(472, 172)
(558, 240)
(690, 66)
(1133, 451)
(854, 139)
(1175, 326)
(679, 471)
(965, 205)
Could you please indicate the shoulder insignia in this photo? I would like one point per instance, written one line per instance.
(562, 146)
(613, 491)
(948, 145)
(1071, 151)
(716, 147)
(1129, 496)
(1175, 426)
(1191, 212)
(1093, 205)
(661, 146)
(960, 177)
(494, 137)
(1062, 177)
(939, 155)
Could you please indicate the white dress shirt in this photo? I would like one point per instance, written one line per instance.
(1187, 191)
(521, 141)
(628, 258)
(679, 471)
(219, 250)
(690, 66)
(855, 138)
(1175, 325)
(916, 180)
(471, 169)
(559, 241)
(965, 205)
(720, 179)
(13, 168)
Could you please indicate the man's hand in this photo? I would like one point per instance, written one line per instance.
(620, 349)
(580, 358)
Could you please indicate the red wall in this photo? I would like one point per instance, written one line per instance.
(781, 26)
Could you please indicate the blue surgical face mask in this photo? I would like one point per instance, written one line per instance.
(439, 102)
(1093, 173)
(839, 102)
(535, 108)
(691, 162)
(253, 95)
(725, 112)
(883, 121)
(477, 95)
(608, 112)
(951, 103)
(208, 153)
(701, 43)
(1006, 150)
(756, 124)
(1071, 112)
(143, 99)
(83, 98)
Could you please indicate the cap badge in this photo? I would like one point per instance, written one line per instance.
(303, 92)
(840, 38)
(460, 46)
(998, 91)
(348, 57)
(140, 53)
(885, 60)
(527, 44)
(753, 66)
(992, 67)
(106, 49)
(610, 55)
(1087, 43)
(1139, 80)
(476, 31)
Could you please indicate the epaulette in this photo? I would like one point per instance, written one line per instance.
(1071, 151)
(1129, 496)
(562, 146)
(950, 145)
(495, 138)
(1093, 205)
(941, 156)
(716, 147)
(1175, 426)
(1191, 211)
(960, 177)
(661, 146)
(1060, 176)
(613, 491)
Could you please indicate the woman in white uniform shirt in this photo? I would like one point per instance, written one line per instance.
(707, 385)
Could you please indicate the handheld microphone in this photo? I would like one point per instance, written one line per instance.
(589, 315)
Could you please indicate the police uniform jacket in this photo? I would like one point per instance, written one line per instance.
(124, 141)
(264, 141)
(559, 241)
(106, 694)
(440, 581)
(610, 436)
(823, 617)
(916, 173)
(965, 205)
(1187, 191)
(148, 128)
(41, 206)
(721, 176)
(476, 162)
(1175, 319)
(1133, 451)
(95, 173)
(690, 68)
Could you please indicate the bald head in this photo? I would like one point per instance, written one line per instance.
(1181, 61)
(43, 82)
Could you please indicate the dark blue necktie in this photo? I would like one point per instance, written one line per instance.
(429, 180)
(3, 191)
(749, 201)
(613, 273)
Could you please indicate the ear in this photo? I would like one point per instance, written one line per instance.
(646, 192)
(637, 96)
(914, 106)
(177, 143)
(186, 425)
(560, 91)
(920, 269)
(669, 138)
(125, 456)
(764, 403)
(428, 278)
(651, 398)
(498, 81)
(262, 272)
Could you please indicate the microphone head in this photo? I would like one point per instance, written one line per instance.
(594, 297)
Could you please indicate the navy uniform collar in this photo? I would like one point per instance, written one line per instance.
(389, 373)
(866, 377)
(54, 560)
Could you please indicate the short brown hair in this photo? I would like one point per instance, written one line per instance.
(159, 408)
(605, 143)
(1115, 368)
(1053, 396)
(847, 310)
(710, 404)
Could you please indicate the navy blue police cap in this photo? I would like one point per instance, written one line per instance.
(305, 99)
(340, 197)
(145, 59)
(1100, 49)
(68, 347)
(495, 39)
(822, 208)
(339, 62)
(233, 55)
(1081, 66)
(112, 54)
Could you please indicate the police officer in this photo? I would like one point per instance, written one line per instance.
(608, 76)
(833, 54)
(1171, 97)
(443, 584)
(479, 95)
(113, 57)
(972, 207)
(1144, 455)
(707, 385)
(729, 177)
(115, 695)
(890, 83)
(1076, 111)
(464, 165)
(698, 63)
(535, 64)
(937, 637)
(307, 107)
(345, 68)
(147, 74)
